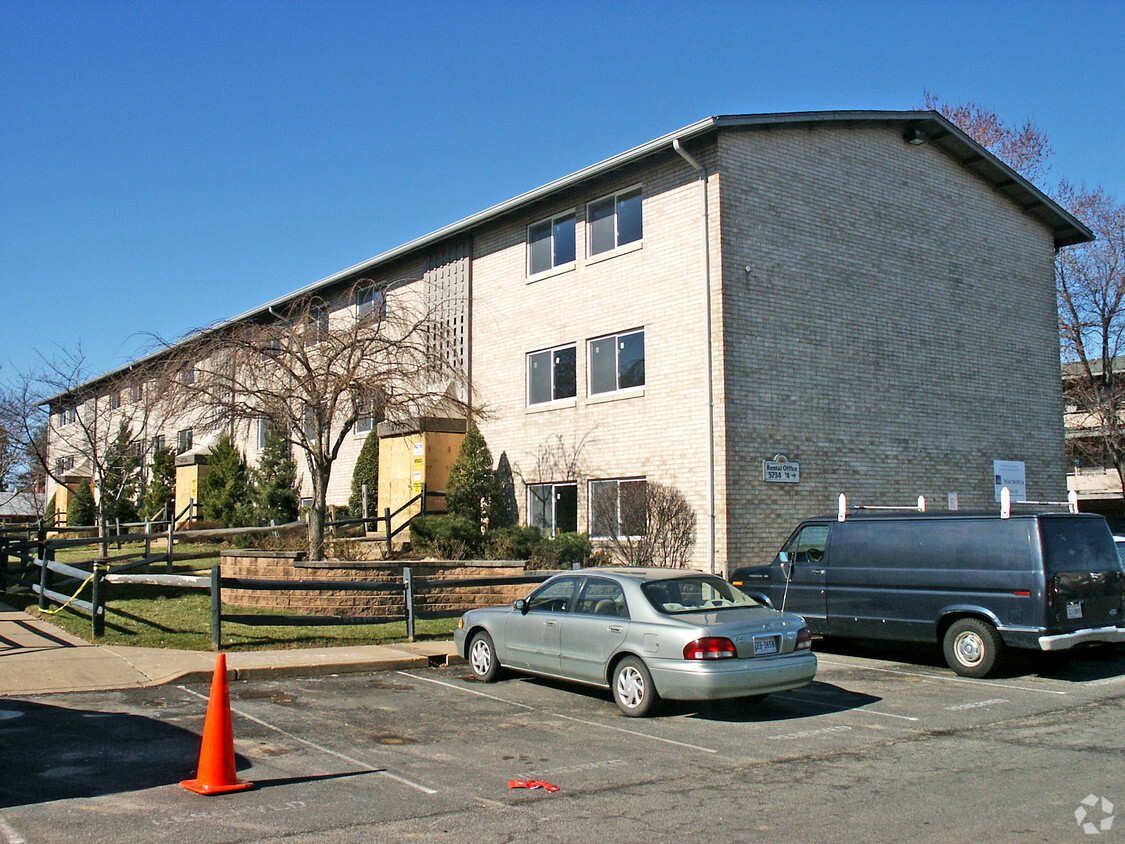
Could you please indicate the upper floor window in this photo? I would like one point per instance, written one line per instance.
(317, 328)
(617, 362)
(365, 416)
(550, 375)
(370, 302)
(187, 375)
(263, 432)
(183, 440)
(113, 400)
(158, 443)
(136, 393)
(550, 244)
(614, 221)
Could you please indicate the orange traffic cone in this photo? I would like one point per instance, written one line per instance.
(216, 757)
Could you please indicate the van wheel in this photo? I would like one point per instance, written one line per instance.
(972, 647)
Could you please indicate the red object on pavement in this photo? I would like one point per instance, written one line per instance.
(546, 786)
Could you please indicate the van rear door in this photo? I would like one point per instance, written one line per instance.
(1083, 573)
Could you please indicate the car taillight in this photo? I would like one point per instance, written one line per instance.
(804, 639)
(712, 647)
(1052, 591)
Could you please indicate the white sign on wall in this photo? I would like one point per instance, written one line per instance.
(1010, 474)
(781, 470)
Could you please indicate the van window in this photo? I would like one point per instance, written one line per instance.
(808, 545)
(1077, 545)
(926, 543)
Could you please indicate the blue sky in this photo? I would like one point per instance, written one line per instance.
(166, 165)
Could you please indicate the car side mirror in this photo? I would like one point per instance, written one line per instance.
(782, 556)
(521, 605)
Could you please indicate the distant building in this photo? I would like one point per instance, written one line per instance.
(763, 311)
(21, 507)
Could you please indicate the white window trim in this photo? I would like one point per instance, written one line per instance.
(553, 402)
(618, 248)
(263, 432)
(590, 503)
(554, 269)
(620, 392)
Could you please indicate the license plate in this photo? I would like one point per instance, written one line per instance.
(1074, 609)
(765, 645)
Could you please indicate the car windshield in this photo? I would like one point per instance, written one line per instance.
(695, 593)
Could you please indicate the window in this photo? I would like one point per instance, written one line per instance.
(137, 393)
(617, 508)
(370, 302)
(550, 244)
(617, 362)
(263, 432)
(183, 440)
(317, 328)
(614, 221)
(555, 596)
(553, 508)
(158, 443)
(602, 597)
(68, 415)
(64, 464)
(113, 400)
(187, 375)
(365, 420)
(550, 375)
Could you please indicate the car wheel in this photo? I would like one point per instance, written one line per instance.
(482, 658)
(633, 690)
(972, 647)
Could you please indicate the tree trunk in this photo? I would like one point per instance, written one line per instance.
(318, 513)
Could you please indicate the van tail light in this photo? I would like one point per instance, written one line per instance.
(711, 647)
(736, 582)
(804, 639)
(1052, 593)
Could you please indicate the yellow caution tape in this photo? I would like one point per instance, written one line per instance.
(79, 592)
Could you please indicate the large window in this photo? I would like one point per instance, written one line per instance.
(617, 362)
(550, 375)
(614, 221)
(553, 508)
(550, 244)
(370, 303)
(617, 508)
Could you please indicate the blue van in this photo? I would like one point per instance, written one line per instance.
(973, 583)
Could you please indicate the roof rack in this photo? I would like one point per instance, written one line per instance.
(1006, 503)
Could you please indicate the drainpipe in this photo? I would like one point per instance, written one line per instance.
(709, 367)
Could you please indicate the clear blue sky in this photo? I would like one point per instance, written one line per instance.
(166, 165)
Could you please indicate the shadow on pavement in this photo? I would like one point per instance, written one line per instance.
(54, 753)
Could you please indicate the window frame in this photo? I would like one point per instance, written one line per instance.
(370, 298)
(618, 244)
(618, 389)
(590, 500)
(365, 416)
(552, 486)
(181, 434)
(556, 266)
(263, 432)
(550, 352)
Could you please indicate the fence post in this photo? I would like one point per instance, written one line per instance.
(41, 540)
(170, 541)
(363, 489)
(216, 607)
(98, 601)
(408, 600)
(3, 564)
(46, 580)
(422, 500)
(387, 523)
(148, 540)
(118, 525)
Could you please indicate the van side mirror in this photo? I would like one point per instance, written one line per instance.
(782, 557)
(521, 605)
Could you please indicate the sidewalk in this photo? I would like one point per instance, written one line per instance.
(36, 657)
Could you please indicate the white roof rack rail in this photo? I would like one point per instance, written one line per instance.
(842, 513)
(1006, 503)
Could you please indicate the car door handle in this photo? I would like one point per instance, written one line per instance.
(615, 628)
(550, 623)
(817, 571)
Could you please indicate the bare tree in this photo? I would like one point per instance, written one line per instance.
(315, 370)
(644, 523)
(1091, 293)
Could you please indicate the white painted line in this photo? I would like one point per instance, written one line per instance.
(635, 733)
(822, 661)
(1108, 681)
(557, 715)
(10, 835)
(844, 708)
(976, 705)
(371, 769)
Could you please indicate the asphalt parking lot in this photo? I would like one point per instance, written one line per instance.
(883, 746)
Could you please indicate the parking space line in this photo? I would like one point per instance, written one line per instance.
(10, 835)
(370, 768)
(557, 715)
(940, 677)
(839, 708)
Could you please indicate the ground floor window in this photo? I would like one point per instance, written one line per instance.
(183, 440)
(553, 508)
(617, 507)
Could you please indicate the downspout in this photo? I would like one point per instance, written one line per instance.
(709, 367)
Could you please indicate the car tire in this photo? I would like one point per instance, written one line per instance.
(482, 658)
(972, 647)
(633, 690)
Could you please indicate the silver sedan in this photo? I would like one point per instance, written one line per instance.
(645, 634)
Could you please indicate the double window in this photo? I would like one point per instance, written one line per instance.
(614, 221)
(551, 375)
(553, 508)
(183, 440)
(157, 443)
(370, 303)
(550, 244)
(617, 362)
(617, 508)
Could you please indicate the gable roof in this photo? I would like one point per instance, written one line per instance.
(935, 129)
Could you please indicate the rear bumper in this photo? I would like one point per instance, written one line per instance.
(728, 678)
(1062, 641)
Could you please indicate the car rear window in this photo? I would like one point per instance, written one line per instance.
(1077, 545)
(695, 594)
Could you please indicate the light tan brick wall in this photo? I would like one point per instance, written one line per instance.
(895, 330)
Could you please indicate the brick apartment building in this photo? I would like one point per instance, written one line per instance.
(861, 302)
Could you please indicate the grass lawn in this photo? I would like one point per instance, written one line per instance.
(163, 617)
